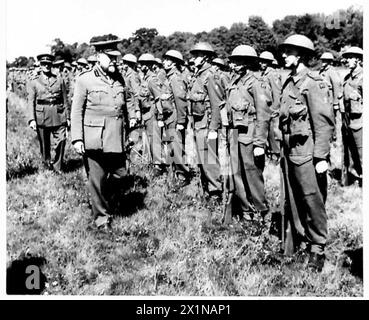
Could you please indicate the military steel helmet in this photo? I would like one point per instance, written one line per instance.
(299, 41)
(129, 57)
(219, 61)
(203, 47)
(355, 51)
(158, 61)
(92, 59)
(243, 51)
(82, 61)
(174, 54)
(147, 57)
(327, 56)
(266, 55)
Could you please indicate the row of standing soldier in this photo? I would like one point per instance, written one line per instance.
(243, 112)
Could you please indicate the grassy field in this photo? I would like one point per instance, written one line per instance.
(164, 242)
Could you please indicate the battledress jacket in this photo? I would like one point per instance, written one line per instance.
(99, 111)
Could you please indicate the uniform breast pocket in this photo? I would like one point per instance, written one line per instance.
(93, 133)
(356, 104)
(300, 149)
(239, 114)
(298, 120)
(97, 96)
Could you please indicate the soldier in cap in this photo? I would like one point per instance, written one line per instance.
(175, 107)
(49, 112)
(274, 81)
(331, 76)
(205, 101)
(307, 123)
(248, 108)
(99, 124)
(352, 112)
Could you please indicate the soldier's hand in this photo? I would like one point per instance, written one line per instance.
(321, 166)
(33, 125)
(165, 96)
(258, 152)
(160, 123)
(79, 146)
(138, 115)
(212, 135)
(132, 122)
(179, 127)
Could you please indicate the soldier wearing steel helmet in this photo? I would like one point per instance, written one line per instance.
(205, 108)
(331, 76)
(174, 105)
(248, 108)
(98, 130)
(159, 69)
(49, 112)
(307, 123)
(352, 112)
(151, 111)
(273, 78)
(91, 61)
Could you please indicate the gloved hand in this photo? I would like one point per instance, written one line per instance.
(33, 125)
(212, 135)
(258, 152)
(79, 146)
(179, 127)
(160, 123)
(132, 123)
(321, 166)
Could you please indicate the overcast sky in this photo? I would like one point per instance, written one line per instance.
(32, 25)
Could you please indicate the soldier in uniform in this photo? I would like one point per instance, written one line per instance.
(248, 108)
(352, 113)
(273, 79)
(175, 108)
(49, 112)
(159, 70)
(151, 111)
(91, 61)
(307, 123)
(334, 82)
(82, 65)
(204, 95)
(99, 123)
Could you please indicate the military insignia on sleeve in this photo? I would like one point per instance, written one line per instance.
(321, 85)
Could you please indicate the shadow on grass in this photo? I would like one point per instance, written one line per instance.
(73, 165)
(24, 276)
(20, 172)
(354, 261)
(336, 174)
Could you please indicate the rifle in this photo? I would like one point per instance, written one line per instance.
(228, 185)
(345, 149)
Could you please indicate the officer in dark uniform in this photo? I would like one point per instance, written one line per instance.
(49, 111)
(307, 123)
(98, 128)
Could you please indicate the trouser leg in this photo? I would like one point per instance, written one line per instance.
(59, 137)
(96, 183)
(154, 135)
(254, 177)
(43, 135)
(310, 205)
(208, 161)
(176, 152)
(356, 148)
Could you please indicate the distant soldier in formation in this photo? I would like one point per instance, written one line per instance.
(159, 69)
(99, 124)
(91, 61)
(331, 76)
(205, 109)
(82, 65)
(49, 112)
(273, 79)
(352, 113)
(307, 126)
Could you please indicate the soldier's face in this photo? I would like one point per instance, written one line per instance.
(351, 62)
(199, 58)
(263, 65)
(325, 63)
(291, 57)
(239, 65)
(45, 67)
(168, 64)
(104, 61)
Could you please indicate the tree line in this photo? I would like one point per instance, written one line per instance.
(330, 33)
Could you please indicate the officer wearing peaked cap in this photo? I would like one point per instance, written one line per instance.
(307, 123)
(99, 124)
(352, 113)
(49, 111)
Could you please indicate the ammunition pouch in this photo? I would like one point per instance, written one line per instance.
(356, 104)
(298, 120)
(240, 116)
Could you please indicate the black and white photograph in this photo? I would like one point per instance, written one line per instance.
(183, 149)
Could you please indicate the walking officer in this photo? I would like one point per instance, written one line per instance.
(352, 114)
(98, 128)
(49, 112)
(307, 124)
